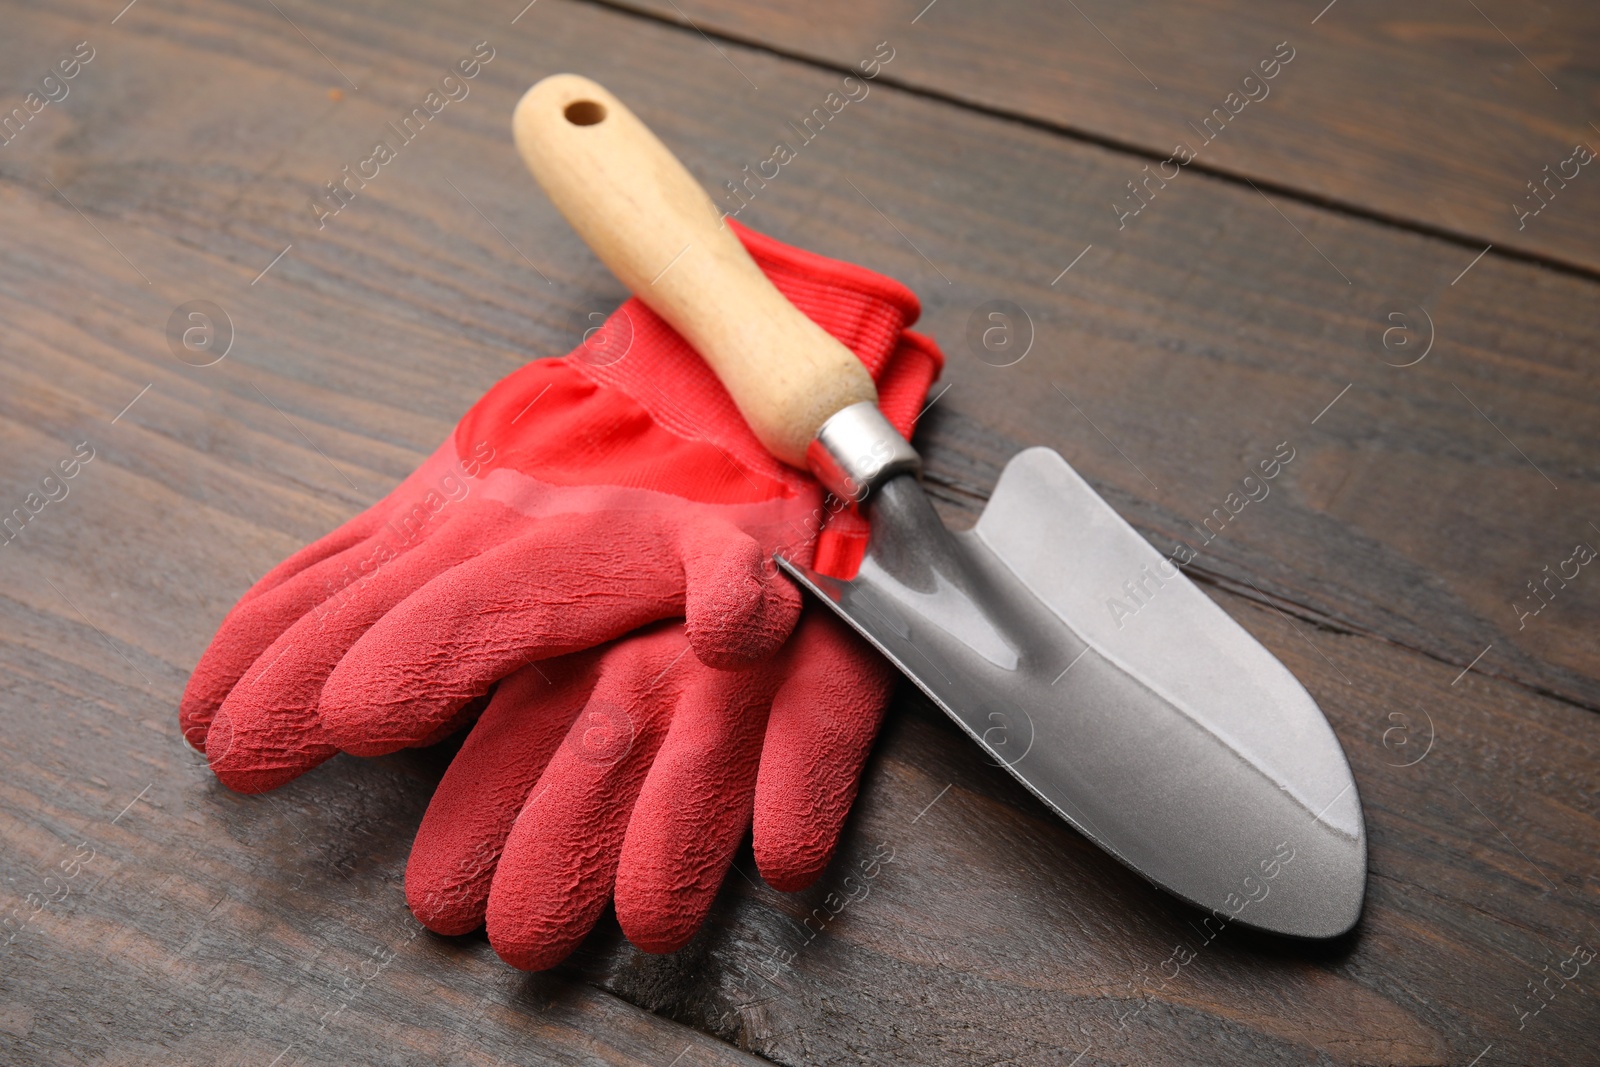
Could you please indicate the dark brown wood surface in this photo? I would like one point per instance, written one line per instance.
(155, 917)
(1431, 115)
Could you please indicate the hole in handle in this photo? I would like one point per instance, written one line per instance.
(585, 112)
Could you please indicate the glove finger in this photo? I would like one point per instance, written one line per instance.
(352, 533)
(818, 737)
(459, 842)
(436, 470)
(560, 859)
(694, 807)
(251, 628)
(557, 589)
(321, 575)
(267, 732)
(738, 608)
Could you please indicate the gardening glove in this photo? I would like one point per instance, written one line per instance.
(580, 499)
(632, 772)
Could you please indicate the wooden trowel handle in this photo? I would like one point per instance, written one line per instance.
(648, 219)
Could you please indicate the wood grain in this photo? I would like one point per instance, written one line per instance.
(210, 927)
(1215, 326)
(1434, 116)
(156, 918)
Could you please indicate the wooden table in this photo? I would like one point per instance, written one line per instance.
(1349, 261)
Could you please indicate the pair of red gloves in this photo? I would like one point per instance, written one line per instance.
(592, 549)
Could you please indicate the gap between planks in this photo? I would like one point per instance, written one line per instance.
(1333, 205)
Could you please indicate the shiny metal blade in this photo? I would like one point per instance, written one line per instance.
(1095, 672)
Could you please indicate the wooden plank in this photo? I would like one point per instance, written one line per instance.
(1438, 117)
(1205, 334)
(153, 917)
(1191, 343)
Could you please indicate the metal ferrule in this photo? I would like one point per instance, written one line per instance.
(857, 450)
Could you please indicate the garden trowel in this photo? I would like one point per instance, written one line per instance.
(1078, 657)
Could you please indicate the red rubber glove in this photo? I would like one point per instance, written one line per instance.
(633, 771)
(578, 500)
